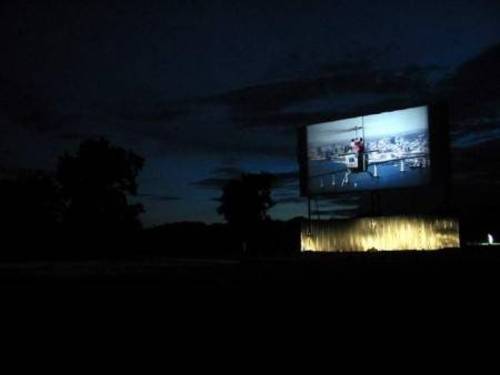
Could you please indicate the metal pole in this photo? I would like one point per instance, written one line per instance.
(309, 215)
(317, 209)
(379, 198)
(363, 127)
(372, 195)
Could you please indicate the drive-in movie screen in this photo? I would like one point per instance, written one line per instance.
(380, 151)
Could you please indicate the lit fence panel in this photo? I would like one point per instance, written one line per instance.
(380, 233)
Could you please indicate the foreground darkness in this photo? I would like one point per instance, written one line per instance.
(449, 270)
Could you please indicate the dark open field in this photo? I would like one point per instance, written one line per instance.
(452, 267)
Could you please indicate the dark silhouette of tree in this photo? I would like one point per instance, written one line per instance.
(31, 206)
(244, 205)
(96, 183)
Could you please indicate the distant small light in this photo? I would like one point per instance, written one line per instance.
(490, 239)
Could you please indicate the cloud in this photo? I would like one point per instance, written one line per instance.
(211, 183)
(227, 171)
(159, 197)
(284, 183)
(284, 179)
(219, 178)
(75, 136)
(473, 90)
(484, 132)
(152, 116)
(477, 164)
(265, 104)
(254, 120)
(289, 199)
(26, 106)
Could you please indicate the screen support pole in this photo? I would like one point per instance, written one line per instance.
(309, 214)
(317, 208)
(372, 196)
(376, 203)
(379, 204)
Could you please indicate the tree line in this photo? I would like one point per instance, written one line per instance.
(86, 203)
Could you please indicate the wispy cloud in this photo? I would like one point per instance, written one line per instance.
(211, 183)
(265, 103)
(159, 197)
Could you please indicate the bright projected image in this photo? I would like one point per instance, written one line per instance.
(381, 151)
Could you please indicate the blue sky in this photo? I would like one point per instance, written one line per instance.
(207, 89)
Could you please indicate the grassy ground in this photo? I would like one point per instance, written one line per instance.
(448, 267)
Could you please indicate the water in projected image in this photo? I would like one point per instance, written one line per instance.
(381, 151)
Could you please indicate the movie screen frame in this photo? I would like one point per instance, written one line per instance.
(411, 150)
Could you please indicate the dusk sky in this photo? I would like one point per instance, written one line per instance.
(207, 89)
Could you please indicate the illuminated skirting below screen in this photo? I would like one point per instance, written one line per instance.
(380, 233)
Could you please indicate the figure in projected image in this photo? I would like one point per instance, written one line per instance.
(352, 146)
(359, 149)
(370, 152)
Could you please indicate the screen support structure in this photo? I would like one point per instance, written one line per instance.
(309, 229)
(376, 203)
(309, 213)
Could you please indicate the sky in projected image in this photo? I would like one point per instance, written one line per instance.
(380, 151)
(402, 122)
(411, 120)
